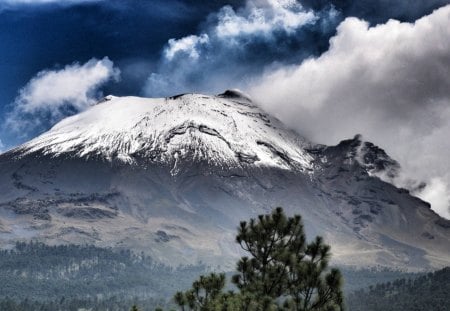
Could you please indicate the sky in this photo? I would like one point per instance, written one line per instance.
(329, 69)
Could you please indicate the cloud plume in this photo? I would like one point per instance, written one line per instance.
(188, 45)
(390, 83)
(52, 94)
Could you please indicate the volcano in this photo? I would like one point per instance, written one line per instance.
(173, 177)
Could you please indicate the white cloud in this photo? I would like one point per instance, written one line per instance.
(437, 192)
(76, 86)
(257, 18)
(262, 17)
(390, 82)
(2, 146)
(234, 45)
(188, 45)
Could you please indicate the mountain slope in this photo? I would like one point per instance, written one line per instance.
(173, 177)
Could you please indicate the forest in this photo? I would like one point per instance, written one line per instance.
(36, 276)
(85, 276)
(426, 292)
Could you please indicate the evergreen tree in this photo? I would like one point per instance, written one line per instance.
(271, 240)
(283, 265)
(134, 308)
(204, 293)
(282, 272)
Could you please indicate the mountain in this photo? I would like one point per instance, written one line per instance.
(174, 176)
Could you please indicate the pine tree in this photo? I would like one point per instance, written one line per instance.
(204, 293)
(282, 268)
(134, 308)
(282, 264)
(271, 240)
(310, 286)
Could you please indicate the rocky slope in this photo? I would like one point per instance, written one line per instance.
(174, 176)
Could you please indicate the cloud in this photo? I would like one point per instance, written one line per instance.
(263, 17)
(188, 45)
(437, 192)
(390, 82)
(2, 146)
(237, 44)
(52, 94)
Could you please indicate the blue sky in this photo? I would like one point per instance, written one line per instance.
(376, 67)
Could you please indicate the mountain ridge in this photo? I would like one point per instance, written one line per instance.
(174, 176)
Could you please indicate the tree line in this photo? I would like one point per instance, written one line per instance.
(427, 292)
(38, 272)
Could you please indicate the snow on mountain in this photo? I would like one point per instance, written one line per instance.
(174, 176)
(227, 130)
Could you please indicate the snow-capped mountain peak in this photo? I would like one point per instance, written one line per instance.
(188, 168)
(225, 130)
